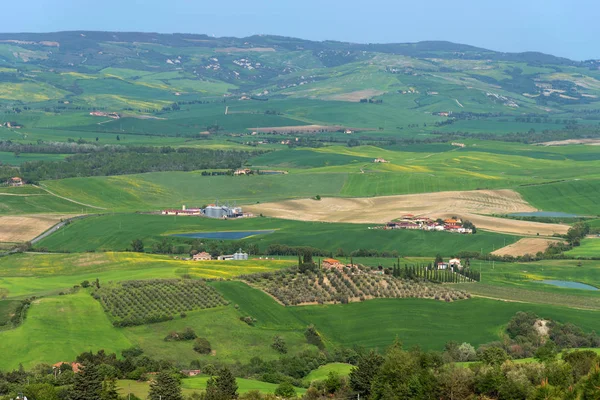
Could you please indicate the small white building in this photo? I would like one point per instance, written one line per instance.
(455, 263)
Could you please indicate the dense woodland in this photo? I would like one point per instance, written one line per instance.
(132, 161)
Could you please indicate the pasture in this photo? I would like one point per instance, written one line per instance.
(321, 373)
(115, 233)
(589, 248)
(58, 329)
(153, 191)
(577, 196)
(33, 201)
(197, 384)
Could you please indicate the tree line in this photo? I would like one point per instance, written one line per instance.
(105, 163)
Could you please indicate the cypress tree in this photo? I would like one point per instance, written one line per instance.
(165, 387)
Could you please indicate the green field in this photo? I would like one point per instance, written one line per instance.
(323, 372)
(154, 191)
(115, 233)
(589, 248)
(573, 196)
(58, 329)
(12, 159)
(197, 384)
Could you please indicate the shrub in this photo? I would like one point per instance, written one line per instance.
(202, 346)
(313, 337)
(187, 334)
(279, 344)
(285, 390)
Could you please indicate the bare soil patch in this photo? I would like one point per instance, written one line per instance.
(355, 96)
(89, 260)
(525, 246)
(464, 204)
(23, 228)
(591, 142)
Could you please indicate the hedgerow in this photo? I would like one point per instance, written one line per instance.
(147, 301)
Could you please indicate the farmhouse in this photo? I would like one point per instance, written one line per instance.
(13, 125)
(16, 181)
(329, 263)
(204, 256)
(190, 372)
(76, 367)
(244, 171)
(380, 160)
(452, 221)
(442, 265)
(455, 263)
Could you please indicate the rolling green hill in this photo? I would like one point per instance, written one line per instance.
(115, 233)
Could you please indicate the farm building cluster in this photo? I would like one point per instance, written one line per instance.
(16, 181)
(211, 211)
(204, 256)
(411, 222)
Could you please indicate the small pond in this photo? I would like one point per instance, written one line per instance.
(568, 284)
(548, 214)
(232, 235)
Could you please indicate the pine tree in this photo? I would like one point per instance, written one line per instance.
(223, 387)
(363, 374)
(87, 384)
(165, 387)
(109, 389)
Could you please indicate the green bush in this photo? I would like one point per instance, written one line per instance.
(202, 346)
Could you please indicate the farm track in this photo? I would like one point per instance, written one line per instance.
(68, 199)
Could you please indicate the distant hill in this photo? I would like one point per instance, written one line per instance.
(60, 73)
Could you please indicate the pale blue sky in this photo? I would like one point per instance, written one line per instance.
(567, 28)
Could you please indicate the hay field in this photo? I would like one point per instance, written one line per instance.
(465, 204)
(22, 228)
(525, 246)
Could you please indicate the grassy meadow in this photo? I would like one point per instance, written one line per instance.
(58, 329)
(589, 248)
(321, 373)
(197, 384)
